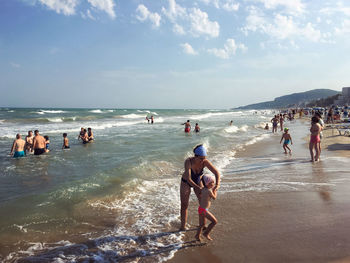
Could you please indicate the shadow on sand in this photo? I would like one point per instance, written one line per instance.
(338, 147)
(90, 251)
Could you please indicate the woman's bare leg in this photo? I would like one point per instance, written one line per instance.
(185, 191)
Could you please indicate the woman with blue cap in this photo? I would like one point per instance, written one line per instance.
(192, 177)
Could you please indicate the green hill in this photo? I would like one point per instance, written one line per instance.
(293, 100)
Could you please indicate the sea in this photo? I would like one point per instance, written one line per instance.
(116, 198)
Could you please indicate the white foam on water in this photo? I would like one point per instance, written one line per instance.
(132, 116)
(96, 111)
(50, 111)
(55, 119)
(257, 139)
(231, 129)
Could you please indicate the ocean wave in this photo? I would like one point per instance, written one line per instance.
(132, 116)
(234, 129)
(55, 119)
(257, 139)
(50, 111)
(96, 111)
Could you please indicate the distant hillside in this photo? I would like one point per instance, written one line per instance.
(293, 100)
(325, 102)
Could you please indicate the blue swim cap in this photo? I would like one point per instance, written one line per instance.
(200, 151)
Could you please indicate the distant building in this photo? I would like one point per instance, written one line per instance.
(344, 98)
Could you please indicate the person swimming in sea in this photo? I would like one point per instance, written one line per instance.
(81, 133)
(29, 142)
(287, 139)
(65, 142)
(85, 137)
(90, 134)
(47, 143)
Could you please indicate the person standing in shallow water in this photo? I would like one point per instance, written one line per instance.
(39, 143)
(187, 126)
(197, 128)
(192, 178)
(18, 147)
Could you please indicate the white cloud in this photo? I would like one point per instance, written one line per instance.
(87, 15)
(230, 6)
(282, 27)
(188, 49)
(15, 65)
(213, 2)
(344, 29)
(201, 25)
(66, 7)
(229, 49)
(336, 9)
(174, 11)
(144, 14)
(179, 30)
(104, 5)
(292, 6)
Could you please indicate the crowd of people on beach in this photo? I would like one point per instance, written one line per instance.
(37, 144)
(206, 186)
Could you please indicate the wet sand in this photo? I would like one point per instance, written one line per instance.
(308, 225)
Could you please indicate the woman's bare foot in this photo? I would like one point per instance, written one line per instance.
(197, 237)
(207, 236)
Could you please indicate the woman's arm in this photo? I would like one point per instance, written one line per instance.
(212, 168)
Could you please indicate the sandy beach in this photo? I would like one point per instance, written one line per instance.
(307, 223)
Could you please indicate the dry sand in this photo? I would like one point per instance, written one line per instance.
(301, 226)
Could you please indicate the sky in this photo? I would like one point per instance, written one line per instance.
(209, 54)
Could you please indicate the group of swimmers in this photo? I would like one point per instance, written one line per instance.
(37, 144)
(150, 119)
(188, 127)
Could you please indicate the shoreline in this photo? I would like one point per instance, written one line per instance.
(280, 226)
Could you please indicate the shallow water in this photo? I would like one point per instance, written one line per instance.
(113, 199)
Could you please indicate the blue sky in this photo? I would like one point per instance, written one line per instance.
(169, 53)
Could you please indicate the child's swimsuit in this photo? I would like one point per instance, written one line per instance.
(187, 129)
(286, 141)
(19, 154)
(47, 146)
(202, 211)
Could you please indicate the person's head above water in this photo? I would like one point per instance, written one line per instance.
(188, 120)
(208, 179)
(199, 150)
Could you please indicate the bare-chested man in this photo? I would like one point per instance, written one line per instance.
(39, 143)
(187, 126)
(18, 147)
(29, 142)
